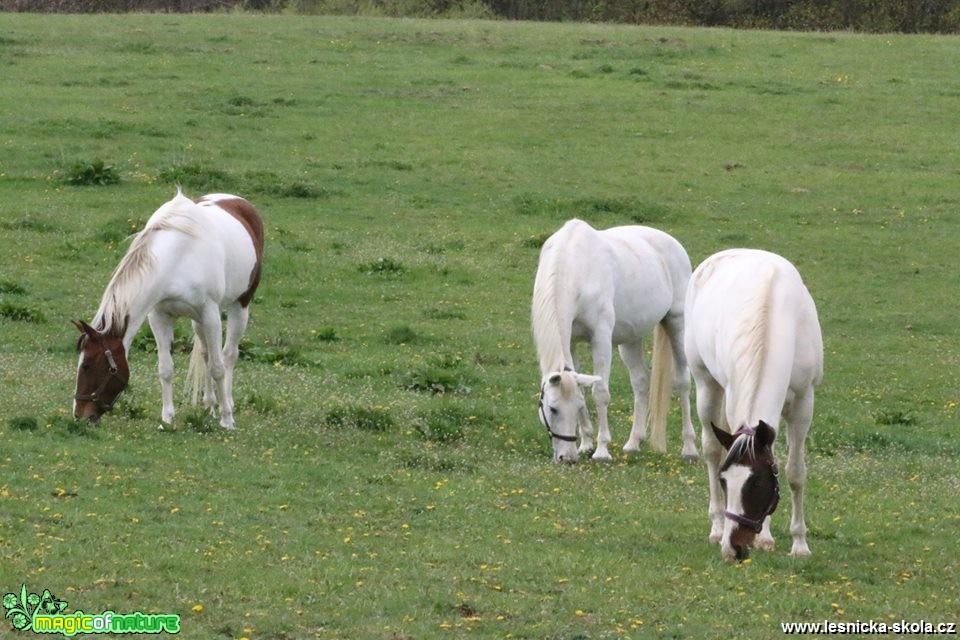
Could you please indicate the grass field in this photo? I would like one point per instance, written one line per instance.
(389, 478)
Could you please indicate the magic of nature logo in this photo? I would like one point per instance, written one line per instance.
(44, 613)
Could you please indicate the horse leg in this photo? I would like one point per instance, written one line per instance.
(632, 356)
(681, 371)
(210, 332)
(764, 539)
(237, 318)
(710, 411)
(209, 395)
(162, 327)
(799, 416)
(601, 350)
(583, 417)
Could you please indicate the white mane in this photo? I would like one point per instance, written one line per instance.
(550, 334)
(750, 349)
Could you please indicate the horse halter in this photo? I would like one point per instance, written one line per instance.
(546, 422)
(757, 525)
(95, 396)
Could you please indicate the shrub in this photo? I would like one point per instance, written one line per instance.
(383, 267)
(198, 176)
(23, 423)
(92, 172)
(20, 313)
(402, 334)
(359, 417)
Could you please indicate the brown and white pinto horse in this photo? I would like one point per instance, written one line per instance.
(192, 259)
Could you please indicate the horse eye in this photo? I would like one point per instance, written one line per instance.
(554, 411)
(85, 366)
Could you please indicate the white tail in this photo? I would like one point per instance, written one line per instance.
(661, 388)
(197, 372)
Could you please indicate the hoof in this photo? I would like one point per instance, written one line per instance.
(601, 457)
(764, 544)
(691, 458)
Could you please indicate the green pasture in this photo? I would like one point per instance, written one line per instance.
(389, 478)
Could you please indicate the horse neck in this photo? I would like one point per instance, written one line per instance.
(131, 293)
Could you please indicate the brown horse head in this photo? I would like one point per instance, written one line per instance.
(749, 479)
(101, 375)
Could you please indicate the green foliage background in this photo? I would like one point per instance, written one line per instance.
(908, 16)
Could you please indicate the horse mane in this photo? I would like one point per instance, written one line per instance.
(138, 264)
(744, 445)
(549, 334)
(750, 348)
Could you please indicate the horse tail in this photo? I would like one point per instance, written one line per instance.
(661, 388)
(197, 372)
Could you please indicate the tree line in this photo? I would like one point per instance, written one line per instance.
(906, 16)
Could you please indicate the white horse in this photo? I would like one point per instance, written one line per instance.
(191, 259)
(754, 346)
(610, 287)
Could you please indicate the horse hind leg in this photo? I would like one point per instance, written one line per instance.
(211, 330)
(673, 326)
(237, 318)
(202, 382)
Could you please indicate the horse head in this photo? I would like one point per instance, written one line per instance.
(561, 401)
(749, 480)
(101, 374)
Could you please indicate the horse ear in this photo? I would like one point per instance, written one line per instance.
(766, 434)
(84, 327)
(584, 379)
(725, 437)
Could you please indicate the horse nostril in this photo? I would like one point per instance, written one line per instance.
(742, 552)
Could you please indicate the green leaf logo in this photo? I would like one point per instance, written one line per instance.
(23, 608)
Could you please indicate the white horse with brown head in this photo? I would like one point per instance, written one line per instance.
(755, 349)
(193, 259)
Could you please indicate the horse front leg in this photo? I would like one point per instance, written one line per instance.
(161, 325)
(709, 409)
(602, 350)
(799, 417)
(633, 356)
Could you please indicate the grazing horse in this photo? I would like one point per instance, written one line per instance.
(193, 259)
(754, 346)
(610, 287)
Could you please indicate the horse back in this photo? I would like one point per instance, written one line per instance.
(745, 304)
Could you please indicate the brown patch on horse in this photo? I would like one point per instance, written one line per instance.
(247, 215)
